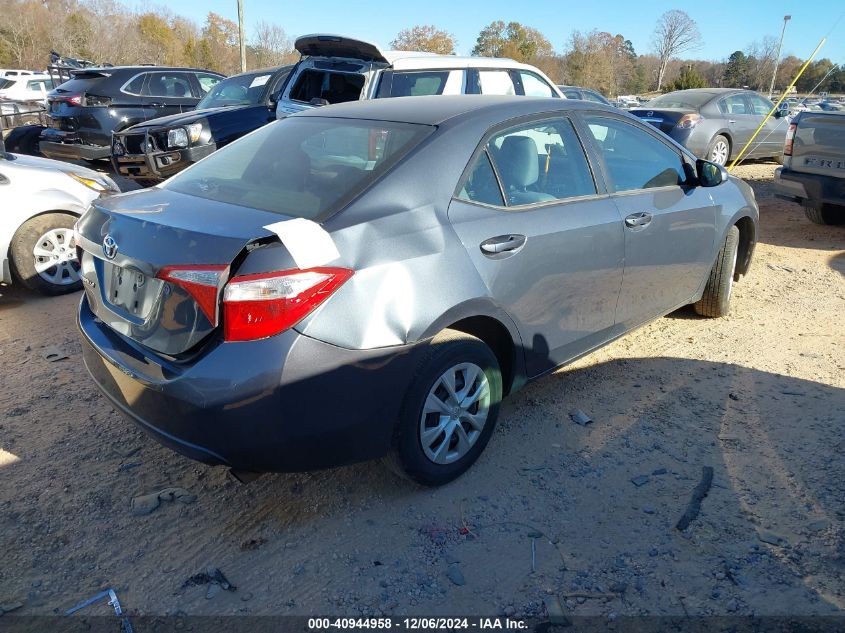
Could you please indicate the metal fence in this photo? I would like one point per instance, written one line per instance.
(17, 113)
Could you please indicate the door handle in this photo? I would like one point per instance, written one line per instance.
(638, 220)
(502, 244)
(731, 120)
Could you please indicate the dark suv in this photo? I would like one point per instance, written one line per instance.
(85, 111)
(156, 149)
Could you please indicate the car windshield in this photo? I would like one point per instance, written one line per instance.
(306, 167)
(685, 100)
(240, 90)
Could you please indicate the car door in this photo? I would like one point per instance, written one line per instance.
(669, 226)
(769, 141)
(168, 92)
(546, 241)
(740, 121)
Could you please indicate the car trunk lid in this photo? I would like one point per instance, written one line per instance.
(132, 245)
(323, 45)
(664, 119)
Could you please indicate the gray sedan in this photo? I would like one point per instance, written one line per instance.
(716, 123)
(370, 279)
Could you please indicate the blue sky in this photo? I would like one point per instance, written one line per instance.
(725, 25)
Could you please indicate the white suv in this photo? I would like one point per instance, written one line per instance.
(26, 88)
(334, 69)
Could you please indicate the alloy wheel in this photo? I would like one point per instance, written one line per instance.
(719, 153)
(454, 413)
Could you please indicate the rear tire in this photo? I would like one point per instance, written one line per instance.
(719, 150)
(34, 246)
(716, 300)
(827, 215)
(24, 140)
(433, 425)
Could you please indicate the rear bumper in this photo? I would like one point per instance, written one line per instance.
(71, 150)
(810, 190)
(286, 403)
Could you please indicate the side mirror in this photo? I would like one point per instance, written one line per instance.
(317, 101)
(710, 174)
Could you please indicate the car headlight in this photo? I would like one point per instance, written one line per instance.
(99, 182)
(177, 137)
(183, 136)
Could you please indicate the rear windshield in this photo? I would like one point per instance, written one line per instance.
(78, 86)
(5, 83)
(685, 100)
(323, 84)
(305, 167)
(240, 90)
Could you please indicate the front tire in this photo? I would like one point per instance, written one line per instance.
(43, 254)
(719, 150)
(827, 215)
(449, 412)
(716, 300)
(24, 140)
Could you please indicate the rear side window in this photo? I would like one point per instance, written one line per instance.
(589, 95)
(481, 184)
(495, 82)
(735, 104)
(534, 86)
(572, 94)
(332, 86)
(136, 84)
(305, 167)
(207, 82)
(173, 85)
(413, 84)
(633, 157)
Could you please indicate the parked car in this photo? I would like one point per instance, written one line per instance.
(42, 200)
(831, 106)
(716, 123)
(576, 92)
(26, 88)
(154, 150)
(336, 69)
(359, 280)
(85, 111)
(813, 172)
(8, 72)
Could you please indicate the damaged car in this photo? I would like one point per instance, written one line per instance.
(152, 151)
(370, 280)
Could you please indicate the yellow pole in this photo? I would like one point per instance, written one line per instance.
(777, 105)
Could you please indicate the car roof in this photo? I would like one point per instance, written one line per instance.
(141, 68)
(411, 60)
(437, 109)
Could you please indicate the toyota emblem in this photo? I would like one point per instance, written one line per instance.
(109, 247)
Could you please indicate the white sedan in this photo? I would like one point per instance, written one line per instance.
(40, 201)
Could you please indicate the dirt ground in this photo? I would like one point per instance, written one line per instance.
(758, 396)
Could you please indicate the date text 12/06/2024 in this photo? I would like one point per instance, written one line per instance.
(411, 624)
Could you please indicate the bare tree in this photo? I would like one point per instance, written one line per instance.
(271, 46)
(675, 33)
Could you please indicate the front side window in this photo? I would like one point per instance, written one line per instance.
(759, 105)
(534, 86)
(333, 87)
(633, 157)
(304, 167)
(173, 85)
(495, 82)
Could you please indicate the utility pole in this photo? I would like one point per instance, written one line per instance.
(241, 34)
(786, 19)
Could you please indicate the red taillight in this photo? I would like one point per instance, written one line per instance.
(262, 305)
(790, 136)
(202, 282)
(71, 99)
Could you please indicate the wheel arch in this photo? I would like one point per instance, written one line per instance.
(747, 241)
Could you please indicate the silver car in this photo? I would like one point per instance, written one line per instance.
(716, 123)
(40, 200)
(370, 279)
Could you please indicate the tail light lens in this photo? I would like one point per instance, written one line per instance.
(74, 100)
(262, 305)
(688, 121)
(201, 282)
(790, 137)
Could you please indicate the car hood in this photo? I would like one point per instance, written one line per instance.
(186, 118)
(47, 164)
